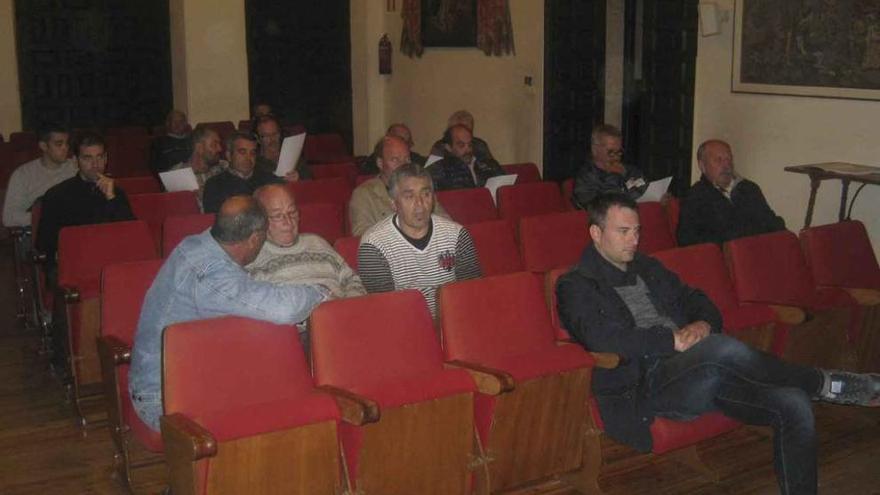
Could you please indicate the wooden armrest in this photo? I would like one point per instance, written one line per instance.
(606, 360)
(115, 349)
(70, 294)
(790, 315)
(356, 409)
(865, 297)
(489, 380)
(189, 438)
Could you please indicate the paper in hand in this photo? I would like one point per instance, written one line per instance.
(183, 179)
(432, 159)
(291, 149)
(656, 190)
(493, 183)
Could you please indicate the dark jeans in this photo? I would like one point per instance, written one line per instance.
(721, 373)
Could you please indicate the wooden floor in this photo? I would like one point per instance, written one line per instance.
(43, 451)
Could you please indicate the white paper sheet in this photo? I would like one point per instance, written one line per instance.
(291, 149)
(493, 183)
(656, 190)
(179, 180)
(431, 159)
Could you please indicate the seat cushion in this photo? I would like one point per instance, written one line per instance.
(670, 435)
(741, 317)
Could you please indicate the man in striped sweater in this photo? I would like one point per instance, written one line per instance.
(414, 249)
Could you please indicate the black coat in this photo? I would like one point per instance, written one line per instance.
(707, 216)
(227, 184)
(596, 317)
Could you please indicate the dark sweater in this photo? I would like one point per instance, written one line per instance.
(708, 216)
(592, 181)
(77, 202)
(597, 317)
(452, 173)
(227, 184)
(167, 151)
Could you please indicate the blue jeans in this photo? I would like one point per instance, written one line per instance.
(723, 374)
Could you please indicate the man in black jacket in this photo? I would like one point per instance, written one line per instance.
(722, 205)
(242, 177)
(461, 168)
(675, 362)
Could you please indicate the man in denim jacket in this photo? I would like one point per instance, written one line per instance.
(203, 278)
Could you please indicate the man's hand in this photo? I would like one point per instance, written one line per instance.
(291, 176)
(690, 334)
(105, 185)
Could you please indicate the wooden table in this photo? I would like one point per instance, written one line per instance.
(845, 172)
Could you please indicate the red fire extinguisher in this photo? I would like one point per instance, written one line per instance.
(385, 55)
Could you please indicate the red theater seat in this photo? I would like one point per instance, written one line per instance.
(123, 288)
(333, 190)
(525, 172)
(522, 200)
(259, 426)
(129, 154)
(325, 219)
(702, 266)
(83, 252)
(325, 148)
(347, 170)
(840, 255)
(771, 269)
(347, 247)
(655, 234)
(467, 206)
(155, 208)
(496, 247)
(382, 350)
(177, 227)
(139, 185)
(500, 326)
(553, 240)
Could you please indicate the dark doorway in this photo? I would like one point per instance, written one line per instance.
(574, 82)
(93, 63)
(659, 70)
(299, 61)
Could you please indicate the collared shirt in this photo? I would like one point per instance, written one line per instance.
(198, 281)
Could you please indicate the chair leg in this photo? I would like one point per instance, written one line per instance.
(586, 479)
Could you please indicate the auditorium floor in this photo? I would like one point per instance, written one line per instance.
(42, 451)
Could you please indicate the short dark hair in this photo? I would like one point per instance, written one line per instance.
(405, 172)
(89, 138)
(45, 131)
(604, 130)
(231, 228)
(235, 136)
(599, 206)
(201, 133)
(263, 119)
(447, 135)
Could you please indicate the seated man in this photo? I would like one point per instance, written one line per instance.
(605, 171)
(414, 249)
(269, 134)
(241, 177)
(290, 257)
(205, 160)
(86, 198)
(461, 168)
(723, 206)
(203, 278)
(31, 180)
(172, 148)
(370, 201)
(675, 362)
(371, 164)
(465, 118)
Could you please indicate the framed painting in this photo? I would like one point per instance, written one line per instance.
(449, 23)
(824, 48)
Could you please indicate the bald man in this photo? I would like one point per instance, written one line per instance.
(371, 164)
(204, 278)
(465, 118)
(370, 201)
(172, 148)
(722, 205)
(291, 257)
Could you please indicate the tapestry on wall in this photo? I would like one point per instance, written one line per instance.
(485, 24)
(828, 48)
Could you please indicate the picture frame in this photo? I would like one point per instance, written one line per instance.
(449, 23)
(804, 48)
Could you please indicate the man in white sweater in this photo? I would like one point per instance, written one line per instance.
(289, 257)
(31, 180)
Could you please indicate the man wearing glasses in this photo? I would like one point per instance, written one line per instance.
(605, 171)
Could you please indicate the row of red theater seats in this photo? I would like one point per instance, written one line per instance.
(753, 282)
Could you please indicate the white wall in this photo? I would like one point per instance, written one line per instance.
(10, 100)
(769, 132)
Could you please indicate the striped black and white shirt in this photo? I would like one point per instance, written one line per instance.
(388, 260)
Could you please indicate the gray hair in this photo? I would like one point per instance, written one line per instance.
(410, 170)
(232, 225)
(604, 130)
(235, 136)
(201, 134)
